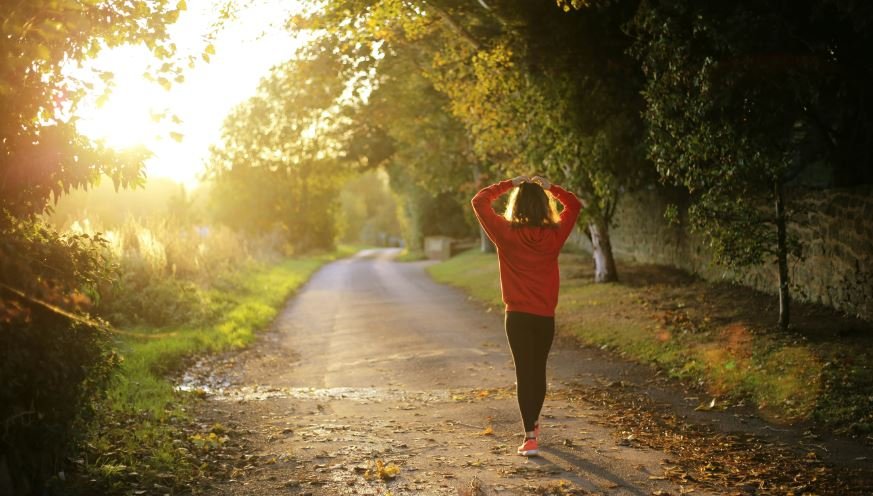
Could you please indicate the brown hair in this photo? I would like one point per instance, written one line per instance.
(530, 205)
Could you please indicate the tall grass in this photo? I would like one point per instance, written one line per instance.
(166, 271)
(164, 246)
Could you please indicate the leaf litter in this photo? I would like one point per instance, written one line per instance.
(705, 456)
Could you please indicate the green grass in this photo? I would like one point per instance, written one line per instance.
(473, 271)
(252, 300)
(693, 331)
(410, 256)
(143, 423)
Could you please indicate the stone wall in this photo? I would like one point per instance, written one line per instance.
(834, 226)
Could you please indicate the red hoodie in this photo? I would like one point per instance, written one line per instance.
(528, 256)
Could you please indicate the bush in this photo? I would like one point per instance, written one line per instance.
(163, 267)
(55, 361)
(53, 364)
(52, 373)
(156, 302)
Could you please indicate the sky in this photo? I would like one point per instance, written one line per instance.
(245, 49)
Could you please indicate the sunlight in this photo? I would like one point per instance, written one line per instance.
(179, 125)
(124, 119)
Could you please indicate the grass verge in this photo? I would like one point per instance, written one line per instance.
(408, 255)
(718, 336)
(143, 438)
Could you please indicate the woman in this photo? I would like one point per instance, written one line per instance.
(528, 239)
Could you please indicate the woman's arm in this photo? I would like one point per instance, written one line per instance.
(571, 204)
(493, 224)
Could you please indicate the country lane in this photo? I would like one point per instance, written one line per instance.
(377, 380)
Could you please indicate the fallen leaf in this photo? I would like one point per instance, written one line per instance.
(381, 470)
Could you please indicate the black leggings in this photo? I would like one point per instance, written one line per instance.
(530, 339)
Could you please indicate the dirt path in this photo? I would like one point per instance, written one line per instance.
(377, 380)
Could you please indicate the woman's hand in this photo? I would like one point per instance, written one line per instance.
(543, 182)
(520, 179)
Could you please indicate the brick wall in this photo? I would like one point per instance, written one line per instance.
(834, 226)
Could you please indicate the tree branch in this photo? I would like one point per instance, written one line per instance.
(78, 318)
(452, 25)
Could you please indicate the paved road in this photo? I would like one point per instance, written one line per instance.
(374, 362)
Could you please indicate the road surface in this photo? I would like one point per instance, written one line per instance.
(377, 380)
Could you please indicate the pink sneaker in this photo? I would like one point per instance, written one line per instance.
(529, 448)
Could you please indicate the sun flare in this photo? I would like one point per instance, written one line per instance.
(124, 119)
(179, 124)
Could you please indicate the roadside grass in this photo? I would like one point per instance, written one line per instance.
(473, 271)
(717, 336)
(408, 255)
(143, 438)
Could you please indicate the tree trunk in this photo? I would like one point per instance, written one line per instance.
(604, 262)
(305, 238)
(782, 255)
(413, 236)
(485, 242)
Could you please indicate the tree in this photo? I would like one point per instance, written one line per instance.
(369, 210)
(431, 163)
(557, 89)
(54, 359)
(741, 97)
(280, 163)
(41, 154)
(534, 87)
